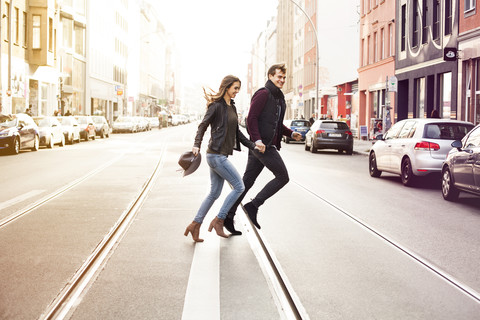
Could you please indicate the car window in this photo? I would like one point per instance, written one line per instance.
(42, 122)
(473, 139)
(393, 132)
(406, 130)
(446, 131)
(82, 120)
(334, 125)
(300, 123)
(8, 122)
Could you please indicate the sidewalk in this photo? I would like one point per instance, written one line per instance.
(362, 146)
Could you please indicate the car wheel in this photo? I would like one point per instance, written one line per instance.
(50, 143)
(372, 161)
(94, 137)
(16, 146)
(408, 178)
(449, 192)
(102, 135)
(36, 143)
(62, 143)
(287, 140)
(350, 151)
(313, 148)
(70, 139)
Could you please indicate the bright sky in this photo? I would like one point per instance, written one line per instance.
(214, 37)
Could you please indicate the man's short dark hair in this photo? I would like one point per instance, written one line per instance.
(279, 66)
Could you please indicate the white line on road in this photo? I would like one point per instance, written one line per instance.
(20, 198)
(202, 300)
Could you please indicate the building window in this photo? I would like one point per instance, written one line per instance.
(67, 32)
(445, 81)
(15, 25)
(375, 47)
(436, 20)
(420, 97)
(50, 34)
(390, 40)
(469, 5)
(80, 40)
(368, 51)
(424, 22)
(448, 17)
(382, 44)
(416, 24)
(402, 30)
(36, 24)
(7, 31)
(362, 53)
(24, 32)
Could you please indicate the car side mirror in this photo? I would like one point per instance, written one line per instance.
(457, 144)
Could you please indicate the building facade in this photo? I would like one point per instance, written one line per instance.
(468, 101)
(426, 81)
(376, 61)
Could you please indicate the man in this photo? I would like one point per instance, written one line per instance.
(265, 126)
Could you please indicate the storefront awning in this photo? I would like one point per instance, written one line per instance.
(46, 74)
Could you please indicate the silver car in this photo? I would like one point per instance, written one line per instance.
(415, 147)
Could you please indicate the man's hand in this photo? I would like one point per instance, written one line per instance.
(260, 146)
(195, 151)
(297, 136)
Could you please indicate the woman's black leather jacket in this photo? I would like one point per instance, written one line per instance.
(216, 117)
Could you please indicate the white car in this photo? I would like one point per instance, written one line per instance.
(50, 130)
(415, 147)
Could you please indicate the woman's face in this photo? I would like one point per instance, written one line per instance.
(233, 90)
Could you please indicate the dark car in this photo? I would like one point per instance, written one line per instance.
(102, 128)
(461, 169)
(301, 126)
(329, 134)
(87, 127)
(18, 131)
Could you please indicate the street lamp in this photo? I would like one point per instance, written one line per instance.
(317, 54)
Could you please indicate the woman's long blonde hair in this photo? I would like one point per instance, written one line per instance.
(213, 96)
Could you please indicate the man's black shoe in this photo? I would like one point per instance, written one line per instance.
(252, 213)
(228, 224)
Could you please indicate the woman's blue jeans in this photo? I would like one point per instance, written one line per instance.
(220, 170)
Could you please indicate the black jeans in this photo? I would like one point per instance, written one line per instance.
(255, 164)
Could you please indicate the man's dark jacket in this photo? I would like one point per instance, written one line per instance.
(265, 117)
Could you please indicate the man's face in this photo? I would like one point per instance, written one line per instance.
(278, 78)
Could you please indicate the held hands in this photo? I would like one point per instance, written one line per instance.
(260, 146)
(195, 151)
(297, 136)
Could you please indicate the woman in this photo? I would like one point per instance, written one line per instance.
(226, 136)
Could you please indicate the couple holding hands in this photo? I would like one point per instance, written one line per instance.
(265, 127)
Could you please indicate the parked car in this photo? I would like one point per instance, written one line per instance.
(18, 131)
(298, 125)
(415, 147)
(51, 131)
(154, 122)
(329, 134)
(125, 124)
(102, 128)
(142, 123)
(71, 129)
(461, 170)
(87, 127)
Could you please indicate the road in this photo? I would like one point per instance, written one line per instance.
(349, 246)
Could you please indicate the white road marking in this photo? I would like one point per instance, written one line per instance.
(20, 198)
(202, 299)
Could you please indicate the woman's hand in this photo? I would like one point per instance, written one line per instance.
(260, 146)
(195, 151)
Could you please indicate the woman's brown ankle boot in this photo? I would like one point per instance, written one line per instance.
(194, 229)
(218, 225)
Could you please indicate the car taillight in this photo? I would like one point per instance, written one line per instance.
(428, 146)
(320, 131)
(348, 132)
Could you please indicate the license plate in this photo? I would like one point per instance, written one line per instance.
(335, 135)
(301, 130)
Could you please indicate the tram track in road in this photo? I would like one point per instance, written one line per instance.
(68, 298)
(451, 280)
